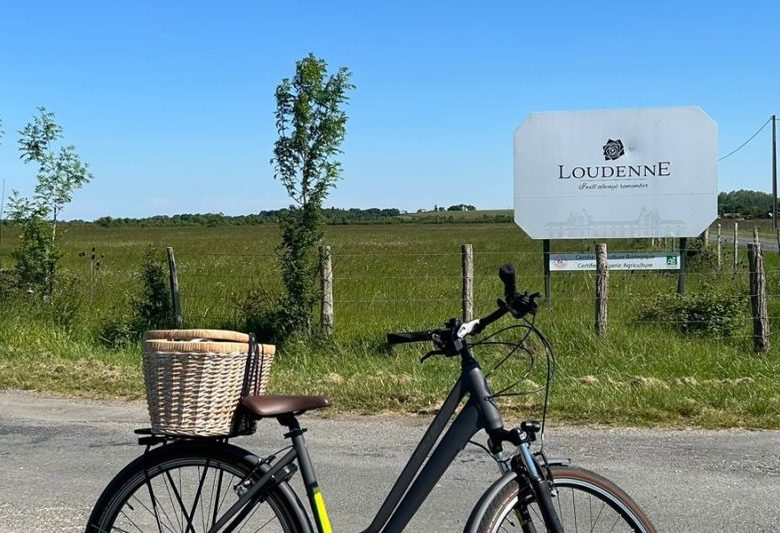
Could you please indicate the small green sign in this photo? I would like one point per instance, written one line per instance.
(671, 260)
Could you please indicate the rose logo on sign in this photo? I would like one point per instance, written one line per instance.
(613, 150)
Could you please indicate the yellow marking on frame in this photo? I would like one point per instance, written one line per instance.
(322, 513)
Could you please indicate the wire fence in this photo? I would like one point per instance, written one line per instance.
(377, 292)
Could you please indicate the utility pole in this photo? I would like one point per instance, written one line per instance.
(2, 219)
(774, 171)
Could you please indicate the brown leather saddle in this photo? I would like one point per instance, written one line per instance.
(276, 406)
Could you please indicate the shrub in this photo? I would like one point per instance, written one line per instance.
(711, 311)
(263, 314)
(66, 301)
(153, 306)
(150, 309)
(700, 257)
(118, 330)
(36, 257)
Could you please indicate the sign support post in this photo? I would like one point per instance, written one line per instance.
(547, 276)
(683, 265)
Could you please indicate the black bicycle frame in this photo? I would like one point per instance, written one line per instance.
(418, 477)
(408, 493)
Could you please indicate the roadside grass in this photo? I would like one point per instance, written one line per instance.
(406, 277)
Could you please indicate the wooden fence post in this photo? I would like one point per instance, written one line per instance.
(706, 237)
(178, 320)
(467, 265)
(720, 257)
(736, 246)
(602, 288)
(758, 299)
(326, 316)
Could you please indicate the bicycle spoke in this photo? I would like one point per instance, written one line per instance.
(616, 523)
(217, 502)
(181, 503)
(146, 508)
(187, 490)
(574, 511)
(590, 514)
(157, 506)
(131, 522)
(598, 516)
(174, 510)
(153, 499)
(203, 511)
(197, 497)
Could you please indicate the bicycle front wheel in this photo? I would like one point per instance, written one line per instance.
(185, 488)
(583, 500)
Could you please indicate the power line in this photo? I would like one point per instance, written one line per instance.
(741, 146)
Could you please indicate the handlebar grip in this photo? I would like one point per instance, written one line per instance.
(507, 275)
(411, 336)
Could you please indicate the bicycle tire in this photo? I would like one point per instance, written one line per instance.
(184, 486)
(585, 501)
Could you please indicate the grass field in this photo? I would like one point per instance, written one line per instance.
(395, 278)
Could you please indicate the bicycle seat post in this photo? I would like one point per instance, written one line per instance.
(316, 501)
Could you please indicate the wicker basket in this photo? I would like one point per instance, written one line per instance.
(195, 378)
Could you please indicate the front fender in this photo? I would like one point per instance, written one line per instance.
(484, 502)
(479, 510)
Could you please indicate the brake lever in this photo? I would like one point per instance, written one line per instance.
(430, 354)
(532, 301)
(523, 304)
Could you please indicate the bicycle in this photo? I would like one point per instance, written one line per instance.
(208, 484)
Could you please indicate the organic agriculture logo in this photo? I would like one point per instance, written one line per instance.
(613, 150)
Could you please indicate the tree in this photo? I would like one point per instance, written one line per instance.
(60, 173)
(461, 207)
(311, 125)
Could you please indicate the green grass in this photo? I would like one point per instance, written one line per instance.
(395, 278)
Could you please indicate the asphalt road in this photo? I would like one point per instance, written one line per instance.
(56, 455)
(768, 244)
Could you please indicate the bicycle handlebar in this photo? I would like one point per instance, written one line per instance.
(507, 275)
(517, 304)
(411, 336)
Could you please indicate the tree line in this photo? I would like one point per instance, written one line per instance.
(745, 204)
(330, 215)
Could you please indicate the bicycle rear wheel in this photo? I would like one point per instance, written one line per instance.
(185, 487)
(585, 501)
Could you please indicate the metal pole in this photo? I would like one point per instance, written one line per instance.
(774, 171)
(547, 277)
(2, 220)
(681, 275)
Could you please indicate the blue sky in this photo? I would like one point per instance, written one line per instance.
(171, 103)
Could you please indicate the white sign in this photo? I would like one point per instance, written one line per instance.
(624, 261)
(616, 173)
